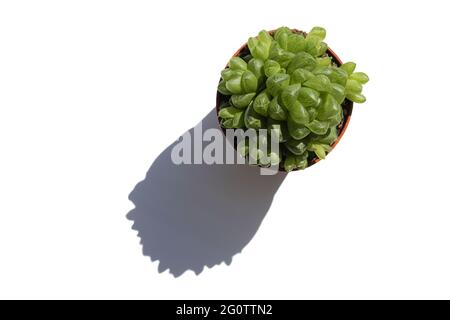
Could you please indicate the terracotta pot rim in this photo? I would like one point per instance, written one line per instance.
(347, 103)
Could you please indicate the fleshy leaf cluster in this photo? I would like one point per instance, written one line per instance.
(289, 83)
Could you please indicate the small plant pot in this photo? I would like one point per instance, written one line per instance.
(347, 105)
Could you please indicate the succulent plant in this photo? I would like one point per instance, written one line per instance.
(287, 81)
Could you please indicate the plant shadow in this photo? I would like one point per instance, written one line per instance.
(190, 216)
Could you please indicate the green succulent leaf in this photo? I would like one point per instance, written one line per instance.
(275, 158)
(295, 43)
(297, 131)
(278, 130)
(356, 97)
(238, 120)
(294, 161)
(338, 76)
(253, 120)
(283, 41)
(290, 163)
(256, 66)
(297, 147)
(233, 85)
(280, 31)
(301, 75)
(228, 113)
(321, 49)
(227, 74)
(318, 32)
(271, 67)
(237, 63)
(249, 82)
(319, 149)
(323, 62)
(302, 60)
(275, 50)
(298, 113)
(353, 86)
(260, 46)
(318, 127)
(348, 67)
(338, 92)
(276, 110)
(283, 57)
(361, 77)
(301, 163)
(319, 83)
(312, 44)
(323, 70)
(261, 103)
(289, 95)
(277, 82)
(336, 120)
(328, 108)
(265, 37)
(223, 89)
(227, 123)
(329, 138)
(312, 111)
(281, 37)
(309, 97)
(243, 100)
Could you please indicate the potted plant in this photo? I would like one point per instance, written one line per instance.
(291, 83)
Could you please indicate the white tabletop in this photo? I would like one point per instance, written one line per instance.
(93, 92)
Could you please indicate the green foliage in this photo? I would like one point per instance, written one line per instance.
(289, 85)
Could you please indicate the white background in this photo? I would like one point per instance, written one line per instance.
(91, 92)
